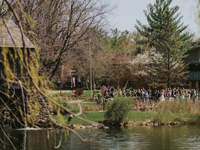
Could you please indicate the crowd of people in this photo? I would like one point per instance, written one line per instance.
(169, 94)
(161, 95)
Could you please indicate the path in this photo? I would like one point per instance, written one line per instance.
(79, 105)
(58, 91)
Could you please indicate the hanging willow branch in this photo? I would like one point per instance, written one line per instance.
(29, 70)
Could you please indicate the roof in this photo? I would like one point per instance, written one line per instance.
(198, 43)
(5, 37)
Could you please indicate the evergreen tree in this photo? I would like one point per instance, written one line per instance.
(169, 42)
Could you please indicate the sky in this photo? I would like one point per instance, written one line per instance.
(128, 11)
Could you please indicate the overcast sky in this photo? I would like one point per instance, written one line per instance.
(128, 11)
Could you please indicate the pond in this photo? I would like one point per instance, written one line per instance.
(138, 138)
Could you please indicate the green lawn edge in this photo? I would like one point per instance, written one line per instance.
(139, 117)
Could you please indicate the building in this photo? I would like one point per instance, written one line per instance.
(193, 60)
(10, 41)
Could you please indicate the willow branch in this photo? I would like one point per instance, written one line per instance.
(8, 138)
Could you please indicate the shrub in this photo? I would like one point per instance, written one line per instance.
(61, 102)
(117, 110)
(78, 92)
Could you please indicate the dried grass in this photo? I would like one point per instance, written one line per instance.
(178, 107)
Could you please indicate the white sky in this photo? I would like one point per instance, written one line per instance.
(128, 11)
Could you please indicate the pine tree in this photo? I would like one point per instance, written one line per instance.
(169, 42)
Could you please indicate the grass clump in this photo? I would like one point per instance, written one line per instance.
(178, 107)
(117, 110)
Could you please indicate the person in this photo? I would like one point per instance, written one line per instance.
(99, 98)
(182, 95)
(177, 94)
(147, 96)
(168, 93)
(194, 95)
(70, 118)
(162, 98)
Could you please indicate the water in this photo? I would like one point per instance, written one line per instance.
(137, 138)
(24, 105)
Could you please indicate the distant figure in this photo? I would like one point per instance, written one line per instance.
(162, 98)
(70, 118)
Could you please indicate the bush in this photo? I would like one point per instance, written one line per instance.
(61, 102)
(78, 92)
(117, 110)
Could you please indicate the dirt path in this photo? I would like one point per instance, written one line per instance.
(78, 102)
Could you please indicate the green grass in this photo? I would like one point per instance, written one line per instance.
(164, 114)
(92, 116)
(85, 107)
(84, 96)
(139, 117)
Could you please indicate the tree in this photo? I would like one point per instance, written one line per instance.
(24, 99)
(113, 55)
(169, 42)
(61, 27)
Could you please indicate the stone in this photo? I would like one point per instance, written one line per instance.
(76, 126)
(172, 123)
(100, 126)
(83, 127)
(95, 124)
(106, 127)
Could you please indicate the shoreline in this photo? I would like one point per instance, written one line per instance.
(142, 124)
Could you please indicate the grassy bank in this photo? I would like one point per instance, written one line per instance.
(92, 116)
(167, 112)
(140, 117)
(70, 96)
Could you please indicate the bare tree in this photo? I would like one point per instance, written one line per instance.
(60, 26)
(19, 68)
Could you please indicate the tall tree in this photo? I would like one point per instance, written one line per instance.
(169, 42)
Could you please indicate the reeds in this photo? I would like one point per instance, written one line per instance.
(179, 106)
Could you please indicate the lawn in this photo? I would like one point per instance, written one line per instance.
(92, 116)
(138, 117)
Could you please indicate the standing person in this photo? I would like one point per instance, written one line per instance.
(194, 95)
(99, 98)
(174, 93)
(189, 94)
(120, 92)
(177, 94)
(168, 93)
(178, 90)
(147, 96)
(182, 95)
(162, 98)
(197, 96)
(156, 93)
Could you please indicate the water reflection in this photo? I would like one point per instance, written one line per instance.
(140, 138)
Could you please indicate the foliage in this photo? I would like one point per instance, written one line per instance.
(78, 92)
(62, 101)
(169, 42)
(117, 110)
(112, 56)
